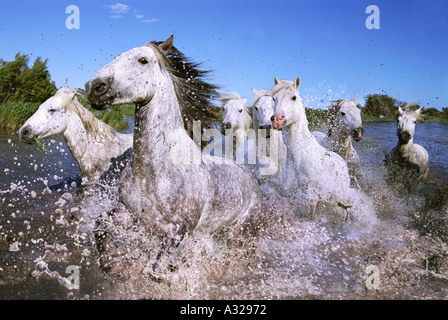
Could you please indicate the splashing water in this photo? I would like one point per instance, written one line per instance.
(43, 231)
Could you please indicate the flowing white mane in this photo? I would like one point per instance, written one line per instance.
(259, 94)
(96, 128)
(407, 110)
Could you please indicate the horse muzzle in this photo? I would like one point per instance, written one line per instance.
(404, 137)
(358, 133)
(225, 126)
(278, 121)
(26, 134)
(99, 92)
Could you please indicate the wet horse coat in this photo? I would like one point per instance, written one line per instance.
(169, 184)
(314, 178)
(345, 124)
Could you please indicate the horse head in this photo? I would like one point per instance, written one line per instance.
(235, 114)
(50, 119)
(263, 109)
(406, 121)
(130, 78)
(346, 117)
(287, 103)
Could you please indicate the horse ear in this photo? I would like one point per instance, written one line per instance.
(297, 83)
(355, 99)
(419, 110)
(166, 45)
(275, 80)
(400, 111)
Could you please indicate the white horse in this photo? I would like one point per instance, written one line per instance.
(314, 177)
(93, 144)
(407, 155)
(271, 155)
(234, 125)
(235, 116)
(169, 184)
(345, 124)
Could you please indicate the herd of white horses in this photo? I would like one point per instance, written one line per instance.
(317, 172)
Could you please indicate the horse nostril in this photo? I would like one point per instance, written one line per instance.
(25, 132)
(100, 86)
(272, 118)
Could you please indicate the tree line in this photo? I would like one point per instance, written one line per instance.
(384, 106)
(21, 83)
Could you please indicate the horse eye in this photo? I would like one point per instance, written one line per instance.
(52, 110)
(143, 60)
(294, 98)
(256, 108)
(342, 113)
(240, 110)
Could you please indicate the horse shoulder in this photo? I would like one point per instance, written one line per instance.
(421, 151)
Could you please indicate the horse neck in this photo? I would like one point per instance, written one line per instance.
(155, 123)
(298, 138)
(76, 137)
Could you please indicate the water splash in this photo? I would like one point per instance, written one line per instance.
(293, 257)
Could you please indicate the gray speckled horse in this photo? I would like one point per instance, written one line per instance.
(169, 184)
(345, 124)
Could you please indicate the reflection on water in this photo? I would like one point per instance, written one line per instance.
(42, 233)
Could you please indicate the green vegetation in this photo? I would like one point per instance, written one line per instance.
(24, 88)
(113, 116)
(14, 114)
(19, 82)
(432, 114)
(378, 107)
(384, 108)
(317, 118)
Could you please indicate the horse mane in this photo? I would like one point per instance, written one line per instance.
(261, 93)
(93, 126)
(228, 96)
(407, 109)
(194, 94)
(286, 84)
(280, 85)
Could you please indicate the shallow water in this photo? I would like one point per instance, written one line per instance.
(293, 258)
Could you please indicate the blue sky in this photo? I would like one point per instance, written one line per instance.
(248, 42)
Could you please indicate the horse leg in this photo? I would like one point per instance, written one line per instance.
(101, 234)
(118, 217)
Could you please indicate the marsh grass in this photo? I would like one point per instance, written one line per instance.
(14, 114)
